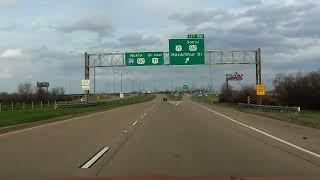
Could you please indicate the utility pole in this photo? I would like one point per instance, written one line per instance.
(211, 78)
(69, 87)
(154, 85)
(171, 86)
(202, 85)
(86, 72)
(132, 85)
(121, 83)
(94, 79)
(114, 81)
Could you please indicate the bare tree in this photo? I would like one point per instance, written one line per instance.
(57, 93)
(25, 90)
(298, 89)
(226, 94)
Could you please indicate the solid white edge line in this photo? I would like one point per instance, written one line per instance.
(264, 133)
(95, 158)
(135, 123)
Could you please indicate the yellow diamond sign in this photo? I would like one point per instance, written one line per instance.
(261, 89)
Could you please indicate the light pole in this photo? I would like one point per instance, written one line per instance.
(121, 83)
(94, 77)
(114, 81)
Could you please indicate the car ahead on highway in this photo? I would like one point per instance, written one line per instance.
(164, 99)
(83, 100)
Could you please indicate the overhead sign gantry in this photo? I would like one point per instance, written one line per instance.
(189, 51)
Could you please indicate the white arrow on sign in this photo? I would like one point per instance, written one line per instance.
(187, 60)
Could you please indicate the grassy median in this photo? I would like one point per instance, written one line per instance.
(18, 117)
(173, 97)
(305, 117)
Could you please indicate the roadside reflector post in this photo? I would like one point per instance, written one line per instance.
(23, 106)
(55, 105)
(32, 105)
(0, 107)
(48, 104)
(12, 106)
(41, 104)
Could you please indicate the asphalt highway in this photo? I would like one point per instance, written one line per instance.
(155, 139)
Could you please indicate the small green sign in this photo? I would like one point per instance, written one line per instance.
(144, 59)
(185, 86)
(186, 51)
(195, 36)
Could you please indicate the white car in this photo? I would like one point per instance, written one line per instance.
(83, 100)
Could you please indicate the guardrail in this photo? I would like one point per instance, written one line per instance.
(268, 108)
(77, 105)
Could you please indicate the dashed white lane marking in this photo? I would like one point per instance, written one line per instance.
(89, 163)
(145, 114)
(135, 123)
(264, 133)
(178, 103)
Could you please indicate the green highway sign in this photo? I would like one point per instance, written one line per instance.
(185, 86)
(186, 51)
(144, 58)
(195, 36)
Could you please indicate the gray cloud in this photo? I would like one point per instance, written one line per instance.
(97, 24)
(131, 41)
(8, 3)
(195, 18)
(8, 27)
(271, 27)
(137, 40)
(288, 34)
(250, 2)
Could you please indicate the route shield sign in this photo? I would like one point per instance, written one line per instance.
(144, 58)
(186, 51)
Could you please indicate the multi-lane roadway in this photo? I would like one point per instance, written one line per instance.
(162, 139)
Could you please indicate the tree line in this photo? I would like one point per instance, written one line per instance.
(28, 93)
(295, 89)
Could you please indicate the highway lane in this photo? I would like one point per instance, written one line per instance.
(150, 139)
(188, 140)
(59, 149)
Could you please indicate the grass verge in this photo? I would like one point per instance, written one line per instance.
(18, 117)
(305, 117)
(172, 97)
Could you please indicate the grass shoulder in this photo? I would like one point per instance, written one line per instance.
(174, 97)
(9, 118)
(309, 118)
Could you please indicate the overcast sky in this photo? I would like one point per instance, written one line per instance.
(38, 35)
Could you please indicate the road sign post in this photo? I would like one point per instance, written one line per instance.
(186, 51)
(144, 59)
(98, 97)
(86, 87)
(261, 91)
